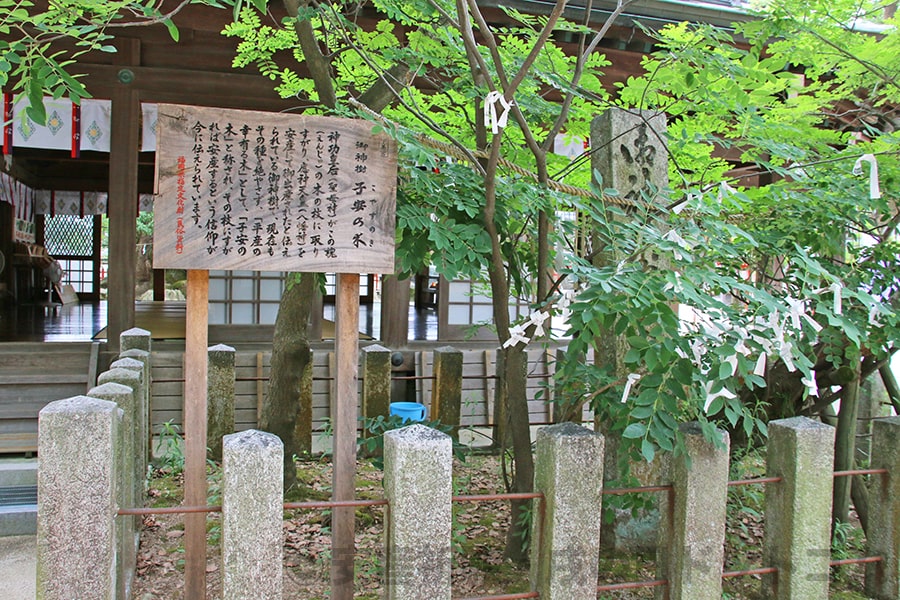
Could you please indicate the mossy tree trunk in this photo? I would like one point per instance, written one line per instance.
(287, 412)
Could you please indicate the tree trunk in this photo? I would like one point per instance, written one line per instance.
(890, 384)
(512, 369)
(287, 412)
(845, 448)
(859, 493)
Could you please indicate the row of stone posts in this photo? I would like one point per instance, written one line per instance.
(93, 452)
(82, 453)
(375, 373)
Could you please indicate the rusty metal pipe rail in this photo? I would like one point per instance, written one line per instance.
(492, 497)
(317, 504)
(504, 596)
(636, 490)
(853, 472)
(856, 561)
(753, 480)
(486, 498)
(326, 504)
(746, 572)
(632, 585)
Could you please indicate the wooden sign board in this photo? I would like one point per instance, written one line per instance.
(246, 190)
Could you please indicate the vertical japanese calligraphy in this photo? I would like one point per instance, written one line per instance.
(273, 192)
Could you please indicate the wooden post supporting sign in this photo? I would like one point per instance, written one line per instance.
(195, 378)
(272, 192)
(344, 416)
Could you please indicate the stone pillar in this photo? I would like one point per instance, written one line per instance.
(139, 363)
(219, 398)
(130, 374)
(76, 521)
(883, 537)
(565, 540)
(134, 338)
(125, 396)
(376, 382)
(252, 500)
(129, 483)
(692, 531)
(632, 155)
(418, 465)
(872, 395)
(130, 364)
(798, 508)
(446, 395)
(145, 357)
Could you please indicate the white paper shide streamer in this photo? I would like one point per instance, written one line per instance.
(812, 388)
(629, 383)
(495, 120)
(516, 335)
(874, 188)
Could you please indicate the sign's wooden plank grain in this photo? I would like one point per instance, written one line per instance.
(273, 192)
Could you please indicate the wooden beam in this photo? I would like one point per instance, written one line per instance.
(198, 88)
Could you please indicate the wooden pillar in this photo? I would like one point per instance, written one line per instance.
(159, 285)
(344, 417)
(394, 312)
(315, 316)
(195, 391)
(123, 193)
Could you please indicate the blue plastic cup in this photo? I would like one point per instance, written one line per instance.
(409, 411)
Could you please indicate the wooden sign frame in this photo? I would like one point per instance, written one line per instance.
(272, 192)
(248, 190)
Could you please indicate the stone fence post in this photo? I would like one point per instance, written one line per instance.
(76, 521)
(134, 338)
(418, 474)
(144, 425)
(139, 364)
(219, 397)
(798, 508)
(883, 537)
(131, 377)
(692, 530)
(376, 383)
(565, 539)
(129, 485)
(446, 396)
(252, 500)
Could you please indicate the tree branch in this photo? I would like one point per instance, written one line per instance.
(318, 65)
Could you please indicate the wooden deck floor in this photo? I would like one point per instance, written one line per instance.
(86, 322)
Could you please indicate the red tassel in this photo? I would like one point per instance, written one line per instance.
(76, 130)
(7, 123)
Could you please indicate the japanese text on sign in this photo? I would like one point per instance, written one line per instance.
(249, 190)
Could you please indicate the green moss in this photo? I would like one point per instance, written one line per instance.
(165, 490)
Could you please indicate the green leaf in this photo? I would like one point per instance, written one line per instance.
(35, 109)
(173, 29)
(641, 412)
(632, 357)
(638, 342)
(648, 451)
(667, 419)
(653, 380)
(634, 431)
(724, 370)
